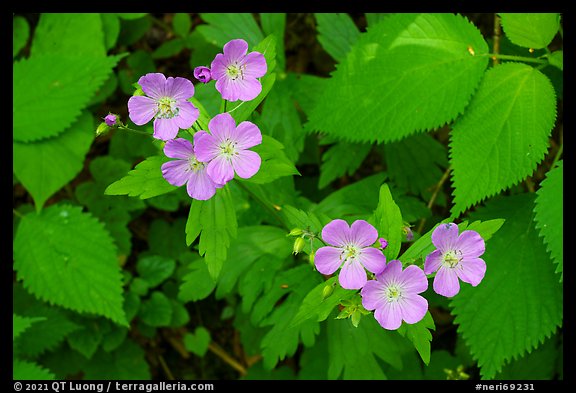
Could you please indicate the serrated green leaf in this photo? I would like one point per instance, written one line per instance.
(20, 34)
(128, 362)
(21, 324)
(337, 33)
(538, 365)
(416, 163)
(144, 181)
(73, 262)
(353, 352)
(197, 283)
(198, 341)
(86, 340)
(223, 27)
(168, 238)
(65, 33)
(274, 164)
(111, 29)
(46, 166)
(419, 334)
(342, 158)
(156, 311)
(503, 135)
(549, 214)
(519, 302)
(387, 220)
(58, 86)
(534, 31)
(155, 269)
(25, 370)
(215, 222)
(406, 74)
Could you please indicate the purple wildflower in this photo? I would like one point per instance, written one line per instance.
(167, 102)
(383, 243)
(394, 295)
(225, 148)
(235, 71)
(186, 169)
(203, 74)
(110, 119)
(456, 257)
(350, 247)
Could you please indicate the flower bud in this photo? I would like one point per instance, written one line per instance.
(311, 258)
(296, 232)
(383, 243)
(203, 74)
(299, 244)
(111, 119)
(356, 315)
(408, 232)
(102, 129)
(327, 291)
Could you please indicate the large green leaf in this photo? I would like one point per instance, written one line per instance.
(223, 27)
(72, 261)
(406, 74)
(503, 135)
(128, 362)
(25, 370)
(419, 334)
(519, 302)
(21, 324)
(50, 90)
(46, 166)
(549, 214)
(337, 33)
(387, 220)
(534, 31)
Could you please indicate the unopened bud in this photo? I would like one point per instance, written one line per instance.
(356, 315)
(111, 119)
(296, 232)
(383, 243)
(203, 74)
(311, 258)
(327, 291)
(299, 244)
(102, 129)
(408, 232)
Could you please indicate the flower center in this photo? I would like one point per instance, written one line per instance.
(393, 293)
(228, 148)
(234, 71)
(195, 165)
(350, 251)
(167, 108)
(452, 258)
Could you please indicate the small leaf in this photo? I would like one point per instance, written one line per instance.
(556, 59)
(534, 31)
(155, 269)
(197, 342)
(127, 362)
(156, 311)
(20, 35)
(197, 284)
(419, 334)
(181, 24)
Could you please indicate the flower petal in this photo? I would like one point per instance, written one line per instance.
(176, 172)
(222, 126)
(327, 259)
(413, 308)
(446, 282)
(433, 262)
(187, 114)
(373, 295)
(249, 88)
(445, 236)
(234, 50)
(228, 88)
(220, 169)
(153, 85)
(362, 234)
(178, 148)
(247, 135)
(471, 244)
(256, 66)
(179, 88)
(246, 163)
(336, 233)
(200, 186)
(165, 129)
(218, 67)
(352, 275)
(372, 259)
(389, 316)
(205, 146)
(413, 280)
(141, 109)
(391, 273)
(472, 270)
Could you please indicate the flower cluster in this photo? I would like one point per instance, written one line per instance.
(394, 292)
(214, 156)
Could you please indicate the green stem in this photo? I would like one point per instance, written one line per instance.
(133, 130)
(557, 156)
(265, 204)
(517, 58)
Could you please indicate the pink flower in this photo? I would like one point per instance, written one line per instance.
(167, 102)
(203, 74)
(225, 148)
(394, 295)
(350, 247)
(456, 257)
(235, 71)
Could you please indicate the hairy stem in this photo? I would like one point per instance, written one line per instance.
(434, 196)
(496, 38)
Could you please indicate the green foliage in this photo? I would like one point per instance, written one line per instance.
(126, 363)
(275, 23)
(154, 269)
(20, 35)
(25, 370)
(198, 341)
(504, 133)
(72, 251)
(340, 159)
(420, 335)
(388, 221)
(223, 27)
(156, 311)
(549, 214)
(519, 301)
(530, 30)
(337, 33)
(274, 164)
(408, 73)
(20, 324)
